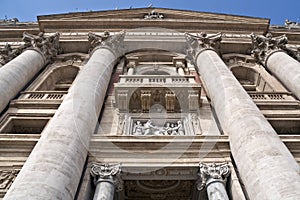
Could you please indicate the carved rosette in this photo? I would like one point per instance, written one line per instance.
(264, 46)
(103, 172)
(49, 46)
(200, 42)
(113, 42)
(211, 173)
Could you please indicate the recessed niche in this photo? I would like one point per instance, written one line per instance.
(17, 125)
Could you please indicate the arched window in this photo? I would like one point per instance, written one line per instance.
(250, 79)
(60, 79)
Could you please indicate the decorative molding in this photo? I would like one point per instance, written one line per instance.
(107, 172)
(264, 46)
(49, 46)
(7, 177)
(154, 15)
(113, 42)
(198, 43)
(214, 171)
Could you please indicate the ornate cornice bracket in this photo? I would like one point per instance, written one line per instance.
(200, 42)
(104, 172)
(115, 43)
(264, 46)
(213, 172)
(48, 46)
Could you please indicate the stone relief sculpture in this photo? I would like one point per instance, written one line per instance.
(148, 128)
(153, 15)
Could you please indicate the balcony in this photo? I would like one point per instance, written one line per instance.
(278, 100)
(41, 99)
(139, 93)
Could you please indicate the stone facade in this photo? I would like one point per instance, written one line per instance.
(149, 103)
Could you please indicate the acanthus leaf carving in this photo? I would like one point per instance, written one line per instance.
(263, 46)
(112, 42)
(202, 41)
(100, 171)
(49, 46)
(8, 53)
(212, 171)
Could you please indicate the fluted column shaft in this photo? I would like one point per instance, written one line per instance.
(266, 166)
(17, 73)
(54, 167)
(286, 69)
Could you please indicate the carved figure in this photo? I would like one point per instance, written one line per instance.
(148, 128)
(138, 129)
(153, 15)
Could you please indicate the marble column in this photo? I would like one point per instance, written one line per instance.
(54, 167)
(266, 166)
(284, 67)
(213, 179)
(106, 179)
(15, 74)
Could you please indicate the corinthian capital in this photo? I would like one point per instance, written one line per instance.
(200, 42)
(263, 46)
(107, 172)
(112, 42)
(213, 171)
(49, 46)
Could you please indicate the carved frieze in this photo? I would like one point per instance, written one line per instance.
(49, 46)
(148, 128)
(113, 42)
(202, 41)
(262, 46)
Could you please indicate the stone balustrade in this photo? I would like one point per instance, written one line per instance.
(43, 95)
(159, 79)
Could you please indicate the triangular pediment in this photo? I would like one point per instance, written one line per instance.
(147, 17)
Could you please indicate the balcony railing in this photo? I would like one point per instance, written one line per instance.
(156, 79)
(271, 96)
(42, 95)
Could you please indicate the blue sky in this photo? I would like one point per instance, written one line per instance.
(276, 10)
